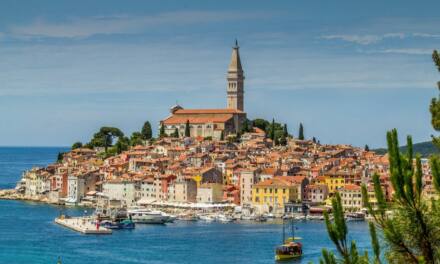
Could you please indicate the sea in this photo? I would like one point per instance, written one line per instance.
(28, 233)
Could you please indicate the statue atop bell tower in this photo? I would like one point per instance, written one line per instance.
(235, 89)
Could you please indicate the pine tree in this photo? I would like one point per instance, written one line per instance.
(301, 132)
(435, 103)
(187, 129)
(413, 232)
(338, 231)
(146, 131)
(367, 148)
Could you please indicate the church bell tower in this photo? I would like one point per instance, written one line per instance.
(235, 89)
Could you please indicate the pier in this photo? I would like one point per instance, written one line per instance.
(83, 225)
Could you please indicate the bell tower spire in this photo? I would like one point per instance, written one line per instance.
(235, 77)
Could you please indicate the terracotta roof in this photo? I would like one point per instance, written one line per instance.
(176, 119)
(208, 111)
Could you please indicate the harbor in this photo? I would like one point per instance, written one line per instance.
(185, 241)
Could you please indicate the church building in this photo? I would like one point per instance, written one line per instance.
(213, 122)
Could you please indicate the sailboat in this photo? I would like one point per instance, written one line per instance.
(289, 249)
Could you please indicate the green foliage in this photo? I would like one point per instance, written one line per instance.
(412, 233)
(246, 127)
(261, 124)
(77, 145)
(146, 131)
(187, 129)
(136, 138)
(301, 132)
(222, 136)
(105, 136)
(121, 145)
(162, 131)
(367, 148)
(60, 157)
(337, 231)
(434, 108)
(175, 133)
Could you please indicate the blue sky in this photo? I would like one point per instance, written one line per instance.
(348, 70)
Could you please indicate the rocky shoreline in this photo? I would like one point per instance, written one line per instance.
(12, 194)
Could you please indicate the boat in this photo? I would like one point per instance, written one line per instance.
(124, 224)
(290, 249)
(224, 218)
(356, 216)
(147, 216)
(206, 218)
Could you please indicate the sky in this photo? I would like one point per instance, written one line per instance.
(348, 70)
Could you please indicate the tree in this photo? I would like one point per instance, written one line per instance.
(261, 124)
(272, 130)
(187, 129)
(413, 232)
(77, 145)
(105, 136)
(435, 103)
(367, 148)
(301, 132)
(245, 127)
(222, 135)
(285, 131)
(338, 231)
(146, 131)
(122, 144)
(162, 131)
(136, 138)
(60, 157)
(175, 133)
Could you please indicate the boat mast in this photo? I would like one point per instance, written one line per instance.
(284, 235)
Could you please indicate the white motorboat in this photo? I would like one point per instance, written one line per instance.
(356, 216)
(206, 218)
(147, 216)
(224, 218)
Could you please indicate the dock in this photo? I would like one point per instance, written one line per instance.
(83, 225)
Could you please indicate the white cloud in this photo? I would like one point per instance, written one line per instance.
(120, 24)
(364, 39)
(410, 51)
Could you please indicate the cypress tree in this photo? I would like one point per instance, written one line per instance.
(176, 133)
(162, 131)
(187, 129)
(301, 132)
(285, 131)
(272, 130)
(222, 136)
(146, 131)
(367, 148)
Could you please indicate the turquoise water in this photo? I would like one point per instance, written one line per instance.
(28, 234)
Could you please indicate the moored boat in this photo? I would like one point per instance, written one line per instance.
(146, 216)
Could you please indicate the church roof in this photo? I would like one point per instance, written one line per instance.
(176, 119)
(208, 111)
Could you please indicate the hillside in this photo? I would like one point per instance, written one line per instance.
(424, 148)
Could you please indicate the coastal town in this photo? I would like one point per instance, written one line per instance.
(214, 160)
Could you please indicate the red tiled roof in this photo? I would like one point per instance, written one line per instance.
(208, 111)
(176, 119)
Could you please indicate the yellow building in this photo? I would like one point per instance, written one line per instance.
(334, 183)
(271, 195)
